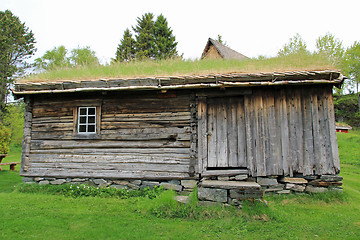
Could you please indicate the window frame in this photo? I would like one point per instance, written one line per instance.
(76, 133)
(87, 116)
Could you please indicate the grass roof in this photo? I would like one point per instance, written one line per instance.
(137, 69)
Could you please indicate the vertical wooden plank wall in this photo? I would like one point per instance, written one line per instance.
(291, 130)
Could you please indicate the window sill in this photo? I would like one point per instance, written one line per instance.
(86, 136)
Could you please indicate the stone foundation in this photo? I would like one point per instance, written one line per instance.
(222, 189)
(176, 185)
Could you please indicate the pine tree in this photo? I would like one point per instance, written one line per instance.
(126, 49)
(144, 34)
(165, 43)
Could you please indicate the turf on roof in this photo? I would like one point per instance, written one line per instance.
(138, 69)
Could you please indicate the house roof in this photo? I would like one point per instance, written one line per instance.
(182, 82)
(224, 51)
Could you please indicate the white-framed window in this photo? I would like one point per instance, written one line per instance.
(86, 120)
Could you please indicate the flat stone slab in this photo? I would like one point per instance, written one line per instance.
(230, 185)
(293, 180)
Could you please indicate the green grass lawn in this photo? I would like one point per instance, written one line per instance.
(45, 216)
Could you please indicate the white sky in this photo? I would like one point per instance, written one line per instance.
(257, 27)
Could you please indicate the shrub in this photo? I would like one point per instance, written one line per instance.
(4, 139)
(346, 109)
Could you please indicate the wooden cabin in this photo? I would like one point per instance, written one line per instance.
(217, 50)
(236, 127)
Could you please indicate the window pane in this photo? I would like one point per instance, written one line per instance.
(91, 128)
(91, 120)
(91, 111)
(82, 128)
(82, 111)
(82, 120)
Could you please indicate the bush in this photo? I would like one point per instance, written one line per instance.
(347, 110)
(4, 139)
(13, 119)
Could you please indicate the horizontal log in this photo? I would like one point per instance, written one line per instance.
(142, 125)
(155, 115)
(112, 174)
(161, 158)
(230, 172)
(64, 144)
(96, 167)
(111, 151)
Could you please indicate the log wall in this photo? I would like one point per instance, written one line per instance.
(141, 136)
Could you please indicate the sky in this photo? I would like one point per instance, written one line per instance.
(253, 28)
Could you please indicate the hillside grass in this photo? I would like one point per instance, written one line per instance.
(302, 216)
(183, 67)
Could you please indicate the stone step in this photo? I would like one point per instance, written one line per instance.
(219, 191)
(238, 185)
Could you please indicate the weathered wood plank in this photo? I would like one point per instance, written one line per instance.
(115, 166)
(88, 173)
(241, 133)
(160, 158)
(112, 151)
(308, 150)
(69, 144)
(232, 132)
(211, 136)
(332, 132)
(222, 140)
(250, 141)
(202, 134)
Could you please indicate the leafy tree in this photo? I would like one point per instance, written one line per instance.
(351, 66)
(165, 43)
(144, 34)
(13, 119)
(83, 56)
(296, 45)
(126, 49)
(52, 59)
(330, 47)
(58, 58)
(17, 44)
(4, 139)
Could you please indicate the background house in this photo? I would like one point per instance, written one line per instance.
(217, 50)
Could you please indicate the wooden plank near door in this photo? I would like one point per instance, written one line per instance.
(241, 133)
(202, 134)
(211, 134)
(232, 132)
(222, 138)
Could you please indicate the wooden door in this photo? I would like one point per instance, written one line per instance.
(226, 145)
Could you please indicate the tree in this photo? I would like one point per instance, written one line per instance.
(126, 49)
(13, 120)
(83, 56)
(52, 59)
(296, 45)
(331, 48)
(165, 43)
(351, 66)
(58, 58)
(17, 44)
(144, 34)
